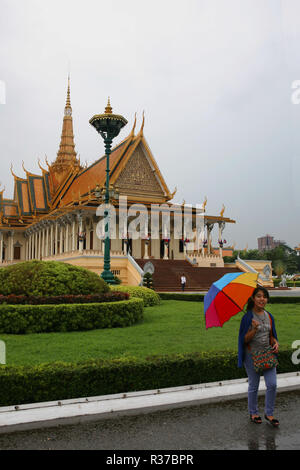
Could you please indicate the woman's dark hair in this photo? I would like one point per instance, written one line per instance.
(250, 304)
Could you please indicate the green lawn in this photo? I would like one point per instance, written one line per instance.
(173, 327)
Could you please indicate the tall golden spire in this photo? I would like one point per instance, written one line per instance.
(66, 152)
(66, 155)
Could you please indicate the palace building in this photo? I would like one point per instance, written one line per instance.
(52, 215)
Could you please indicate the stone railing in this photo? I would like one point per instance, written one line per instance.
(200, 260)
(76, 253)
(70, 254)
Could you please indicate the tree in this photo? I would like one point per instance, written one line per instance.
(279, 268)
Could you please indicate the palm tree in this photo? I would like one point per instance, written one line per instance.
(279, 268)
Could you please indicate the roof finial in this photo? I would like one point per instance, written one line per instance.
(68, 103)
(11, 170)
(108, 109)
(134, 124)
(143, 122)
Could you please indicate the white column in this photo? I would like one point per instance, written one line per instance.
(47, 242)
(165, 250)
(43, 243)
(67, 238)
(39, 245)
(35, 245)
(11, 240)
(80, 219)
(26, 246)
(146, 256)
(221, 228)
(56, 238)
(30, 246)
(209, 229)
(73, 234)
(61, 240)
(51, 251)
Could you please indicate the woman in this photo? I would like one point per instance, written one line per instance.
(257, 331)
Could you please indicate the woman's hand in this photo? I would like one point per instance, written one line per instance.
(255, 325)
(275, 346)
(252, 331)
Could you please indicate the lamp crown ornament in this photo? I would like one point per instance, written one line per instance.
(108, 109)
(108, 124)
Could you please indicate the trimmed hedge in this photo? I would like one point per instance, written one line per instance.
(42, 278)
(284, 300)
(149, 296)
(20, 319)
(59, 381)
(200, 298)
(63, 299)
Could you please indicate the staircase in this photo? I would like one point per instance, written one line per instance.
(167, 274)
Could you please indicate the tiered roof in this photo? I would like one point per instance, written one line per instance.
(66, 185)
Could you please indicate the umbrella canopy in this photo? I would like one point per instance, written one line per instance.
(227, 297)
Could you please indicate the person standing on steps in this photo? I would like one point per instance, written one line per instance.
(257, 333)
(183, 282)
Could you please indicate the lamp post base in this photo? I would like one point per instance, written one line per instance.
(108, 277)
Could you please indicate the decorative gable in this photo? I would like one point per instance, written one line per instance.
(138, 177)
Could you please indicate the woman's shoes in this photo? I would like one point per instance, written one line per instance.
(255, 419)
(258, 420)
(273, 421)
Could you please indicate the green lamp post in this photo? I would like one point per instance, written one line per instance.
(108, 125)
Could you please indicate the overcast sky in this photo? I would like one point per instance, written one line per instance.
(213, 76)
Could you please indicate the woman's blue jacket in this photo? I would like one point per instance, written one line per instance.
(244, 327)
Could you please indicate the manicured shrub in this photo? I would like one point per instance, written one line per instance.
(148, 281)
(40, 278)
(148, 295)
(20, 319)
(58, 381)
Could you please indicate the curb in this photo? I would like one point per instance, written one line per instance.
(74, 411)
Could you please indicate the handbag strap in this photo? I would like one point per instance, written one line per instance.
(271, 333)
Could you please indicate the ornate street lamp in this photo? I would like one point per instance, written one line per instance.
(108, 125)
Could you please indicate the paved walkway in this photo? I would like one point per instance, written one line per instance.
(37, 415)
(215, 426)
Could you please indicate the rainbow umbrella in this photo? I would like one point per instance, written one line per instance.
(227, 297)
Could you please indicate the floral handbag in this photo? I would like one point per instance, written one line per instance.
(265, 359)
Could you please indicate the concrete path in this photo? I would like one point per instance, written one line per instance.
(180, 431)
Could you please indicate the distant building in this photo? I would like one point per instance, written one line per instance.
(268, 243)
(297, 249)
